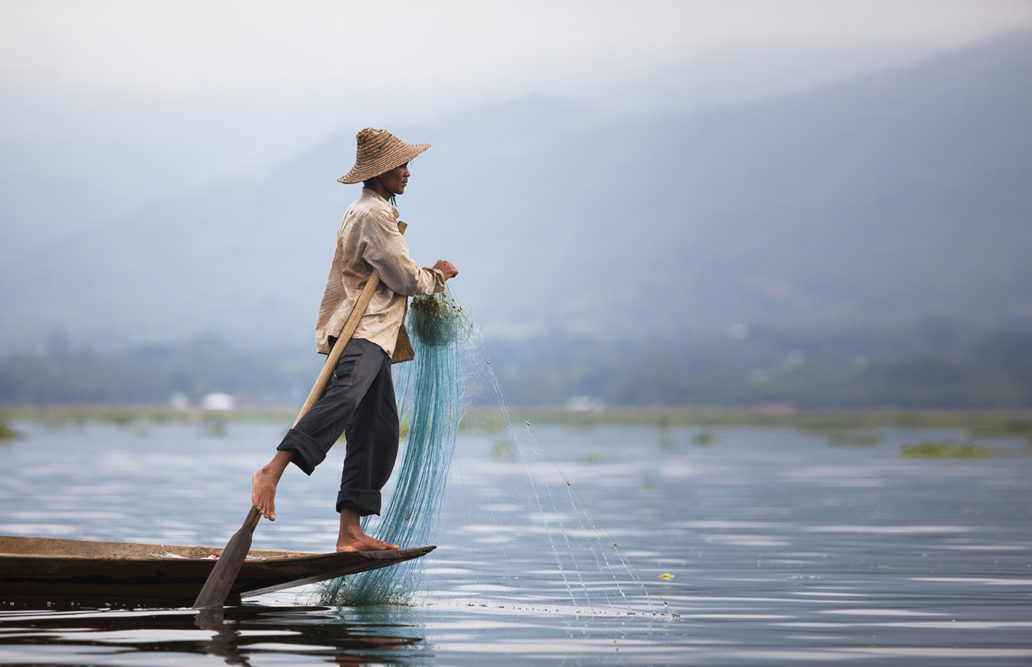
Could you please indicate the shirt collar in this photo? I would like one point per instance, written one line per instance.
(369, 192)
(366, 192)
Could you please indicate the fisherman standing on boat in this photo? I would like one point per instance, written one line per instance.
(359, 399)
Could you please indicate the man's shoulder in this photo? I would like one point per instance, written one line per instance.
(369, 215)
(369, 204)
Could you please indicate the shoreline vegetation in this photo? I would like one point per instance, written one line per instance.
(839, 428)
(985, 422)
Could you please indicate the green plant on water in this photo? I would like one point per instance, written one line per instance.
(1002, 427)
(594, 457)
(945, 449)
(7, 432)
(119, 418)
(501, 449)
(483, 422)
(703, 438)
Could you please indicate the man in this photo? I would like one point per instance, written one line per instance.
(359, 397)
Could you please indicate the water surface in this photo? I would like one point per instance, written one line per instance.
(732, 546)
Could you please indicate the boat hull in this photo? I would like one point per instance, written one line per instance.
(61, 569)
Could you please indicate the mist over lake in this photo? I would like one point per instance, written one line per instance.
(873, 201)
(872, 233)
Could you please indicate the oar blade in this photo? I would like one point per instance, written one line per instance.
(220, 582)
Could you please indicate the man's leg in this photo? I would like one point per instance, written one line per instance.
(372, 449)
(307, 443)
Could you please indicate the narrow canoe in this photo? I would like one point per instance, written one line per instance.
(61, 569)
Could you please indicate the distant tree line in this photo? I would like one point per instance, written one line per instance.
(933, 363)
(152, 374)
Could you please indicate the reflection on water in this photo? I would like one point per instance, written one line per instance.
(238, 635)
(771, 545)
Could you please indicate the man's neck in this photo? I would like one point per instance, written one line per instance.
(377, 187)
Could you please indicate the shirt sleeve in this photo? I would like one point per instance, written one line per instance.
(386, 251)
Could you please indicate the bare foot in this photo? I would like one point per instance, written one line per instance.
(351, 537)
(263, 484)
(365, 543)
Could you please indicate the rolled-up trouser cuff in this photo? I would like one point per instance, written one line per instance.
(307, 451)
(365, 501)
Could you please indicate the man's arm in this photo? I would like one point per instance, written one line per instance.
(446, 268)
(387, 252)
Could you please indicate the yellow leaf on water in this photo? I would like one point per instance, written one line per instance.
(666, 576)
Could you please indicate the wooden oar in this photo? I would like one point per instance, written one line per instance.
(220, 581)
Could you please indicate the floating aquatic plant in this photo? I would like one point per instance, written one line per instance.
(501, 449)
(945, 449)
(855, 438)
(703, 438)
(7, 432)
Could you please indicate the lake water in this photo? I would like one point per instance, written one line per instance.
(751, 545)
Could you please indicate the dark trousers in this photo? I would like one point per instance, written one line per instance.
(359, 402)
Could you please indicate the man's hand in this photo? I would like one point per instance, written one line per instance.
(446, 268)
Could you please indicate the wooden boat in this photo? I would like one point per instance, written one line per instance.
(61, 569)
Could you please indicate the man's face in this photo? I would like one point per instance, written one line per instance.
(395, 180)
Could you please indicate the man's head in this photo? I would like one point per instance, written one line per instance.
(391, 182)
(378, 152)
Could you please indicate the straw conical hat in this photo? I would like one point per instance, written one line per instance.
(378, 152)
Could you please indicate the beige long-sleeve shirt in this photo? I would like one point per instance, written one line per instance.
(368, 241)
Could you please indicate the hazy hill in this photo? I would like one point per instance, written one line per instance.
(885, 198)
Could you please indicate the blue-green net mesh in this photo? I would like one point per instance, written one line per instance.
(429, 392)
(528, 510)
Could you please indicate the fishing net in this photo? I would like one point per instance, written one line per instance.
(519, 535)
(429, 392)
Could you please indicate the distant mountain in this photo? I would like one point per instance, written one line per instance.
(885, 198)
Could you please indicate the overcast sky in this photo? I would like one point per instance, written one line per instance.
(458, 50)
(260, 80)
